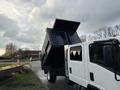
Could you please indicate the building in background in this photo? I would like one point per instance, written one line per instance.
(27, 54)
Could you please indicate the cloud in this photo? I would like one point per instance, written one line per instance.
(32, 17)
(8, 26)
(4, 41)
(27, 4)
(92, 14)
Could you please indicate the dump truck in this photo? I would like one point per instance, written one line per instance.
(93, 65)
(53, 61)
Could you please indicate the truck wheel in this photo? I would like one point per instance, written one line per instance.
(50, 77)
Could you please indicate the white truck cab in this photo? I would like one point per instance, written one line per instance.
(95, 65)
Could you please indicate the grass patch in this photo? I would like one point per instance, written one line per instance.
(3, 65)
(24, 81)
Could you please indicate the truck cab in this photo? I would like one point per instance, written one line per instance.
(95, 65)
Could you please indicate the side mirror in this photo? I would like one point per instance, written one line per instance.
(108, 55)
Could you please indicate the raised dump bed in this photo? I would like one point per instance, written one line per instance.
(62, 33)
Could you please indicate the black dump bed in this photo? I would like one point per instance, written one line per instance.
(62, 33)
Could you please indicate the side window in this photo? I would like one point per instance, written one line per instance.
(96, 54)
(76, 53)
(105, 55)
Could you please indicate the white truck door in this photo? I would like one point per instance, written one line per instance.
(76, 64)
(100, 74)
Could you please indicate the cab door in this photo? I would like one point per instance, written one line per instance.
(76, 64)
(101, 67)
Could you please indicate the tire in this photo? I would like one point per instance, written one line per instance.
(51, 78)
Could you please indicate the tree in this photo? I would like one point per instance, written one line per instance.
(10, 50)
(110, 31)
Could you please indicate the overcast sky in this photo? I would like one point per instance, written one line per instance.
(23, 22)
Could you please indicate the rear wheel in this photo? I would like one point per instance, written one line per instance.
(50, 77)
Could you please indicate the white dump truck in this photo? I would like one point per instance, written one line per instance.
(91, 65)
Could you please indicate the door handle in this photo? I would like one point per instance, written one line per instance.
(70, 69)
(91, 76)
